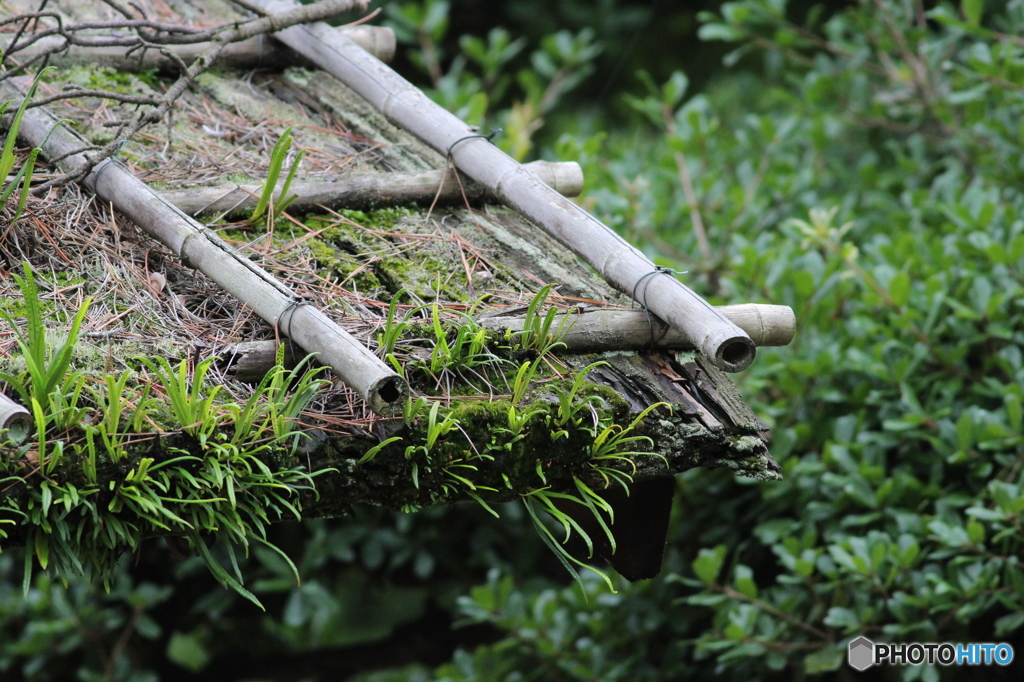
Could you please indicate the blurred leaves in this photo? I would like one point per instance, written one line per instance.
(488, 83)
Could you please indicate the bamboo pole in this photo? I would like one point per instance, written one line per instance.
(245, 54)
(203, 250)
(15, 419)
(597, 331)
(767, 325)
(367, 190)
(622, 265)
(593, 330)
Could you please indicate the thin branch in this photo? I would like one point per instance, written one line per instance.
(118, 7)
(768, 608)
(23, 27)
(249, 7)
(691, 196)
(75, 93)
(162, 106)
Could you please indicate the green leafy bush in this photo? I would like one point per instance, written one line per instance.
(485, 84)
(871, 180)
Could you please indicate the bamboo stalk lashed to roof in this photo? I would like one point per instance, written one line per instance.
(14, 419)
(366, 190)
(597, 331)
(622, 265)
(202, 249)
(593, 330)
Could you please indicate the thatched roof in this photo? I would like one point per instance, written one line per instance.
(443, 268)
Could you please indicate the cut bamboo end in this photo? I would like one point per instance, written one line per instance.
(389, 390)
(732, 354)
(15, 419)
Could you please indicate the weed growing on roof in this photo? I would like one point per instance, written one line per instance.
(544, 499)
(101, 476)
(8, 158)
(96, 481)
(524, 431)
(46, 377)
(537, 334)
(267, 204)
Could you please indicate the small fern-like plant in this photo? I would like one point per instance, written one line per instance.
(198, 414)
(288, 392)
(544, 499)
(566, 415)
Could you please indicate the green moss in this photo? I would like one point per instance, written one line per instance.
(482, 456)
(324, 254)
(434, 272)
(381, 218)
(107, 78)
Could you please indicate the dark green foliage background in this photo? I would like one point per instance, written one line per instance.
(862, 164)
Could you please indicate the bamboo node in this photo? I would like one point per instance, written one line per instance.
(98, 171)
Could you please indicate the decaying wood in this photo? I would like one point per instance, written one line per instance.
(15, 419)
(368, 190)
(597, 331)
(620, 263)
(202, 249)
(246, 54)
(250, 361)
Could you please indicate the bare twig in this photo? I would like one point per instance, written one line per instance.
(219, 39)
(74, 92)
(691, 196)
